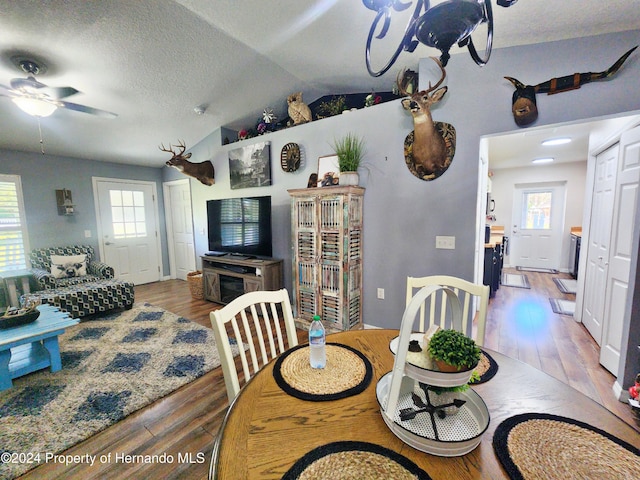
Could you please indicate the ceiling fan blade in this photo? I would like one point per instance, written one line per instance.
(28, 85)
(85, 109)
(60, 92)
(29, 82)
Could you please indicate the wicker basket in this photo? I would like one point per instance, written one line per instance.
(195, 284)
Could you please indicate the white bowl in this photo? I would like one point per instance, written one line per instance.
(430, 376)
(457, 434)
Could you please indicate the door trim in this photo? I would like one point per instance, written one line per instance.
(154, 188)
(169, 222)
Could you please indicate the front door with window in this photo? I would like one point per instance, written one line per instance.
(538, 218)
(126, 214)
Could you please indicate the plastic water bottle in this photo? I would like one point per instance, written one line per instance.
(318, 355)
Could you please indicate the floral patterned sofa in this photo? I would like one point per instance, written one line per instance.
(71, 279)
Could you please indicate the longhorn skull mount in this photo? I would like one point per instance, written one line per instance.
(523, 103)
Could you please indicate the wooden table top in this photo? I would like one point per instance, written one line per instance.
(266, 431)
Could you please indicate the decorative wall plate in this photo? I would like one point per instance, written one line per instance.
(290, 157)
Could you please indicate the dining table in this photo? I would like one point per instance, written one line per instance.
(267, 429)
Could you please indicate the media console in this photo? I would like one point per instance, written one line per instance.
(226, 277)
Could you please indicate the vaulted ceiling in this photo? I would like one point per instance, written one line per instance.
(153, 61)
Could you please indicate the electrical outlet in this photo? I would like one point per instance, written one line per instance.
(87, 234)
(381, 293)
(447, 243)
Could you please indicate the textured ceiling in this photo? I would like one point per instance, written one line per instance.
(152, 61)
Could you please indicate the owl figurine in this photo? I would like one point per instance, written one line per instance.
(298, 110)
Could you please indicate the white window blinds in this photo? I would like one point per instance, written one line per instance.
(13, 227)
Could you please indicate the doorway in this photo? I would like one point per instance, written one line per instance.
(127, 219)
(537, 225)
(177, 207)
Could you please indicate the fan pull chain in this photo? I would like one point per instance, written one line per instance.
(40, 131)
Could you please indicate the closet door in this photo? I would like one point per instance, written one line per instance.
(598, 241)
(627, 194)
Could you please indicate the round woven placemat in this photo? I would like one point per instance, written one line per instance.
(354, 461)
(347, 372)
(539, 445)
(487, 368)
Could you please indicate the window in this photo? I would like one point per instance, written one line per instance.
(13, 226)
(127, 214)
(536, 210)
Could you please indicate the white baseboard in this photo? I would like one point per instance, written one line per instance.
(620, 393)
(367, 327)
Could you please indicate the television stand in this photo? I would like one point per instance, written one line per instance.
(227, 277)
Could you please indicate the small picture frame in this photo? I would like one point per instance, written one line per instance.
(328, 171)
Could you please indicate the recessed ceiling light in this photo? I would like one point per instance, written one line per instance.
(543, 160)
(556, 141)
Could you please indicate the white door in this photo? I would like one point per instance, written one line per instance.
(595, 275)
(182, 258)
(538, 219)
(624, 214)
(127, 223)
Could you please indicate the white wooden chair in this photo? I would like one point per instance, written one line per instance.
(255, 321)
(474, 300)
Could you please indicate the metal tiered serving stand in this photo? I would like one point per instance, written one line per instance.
(407, 401)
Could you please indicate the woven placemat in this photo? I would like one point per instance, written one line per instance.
(354, 461)
(347, 372)
(487, 368)
(540, 445)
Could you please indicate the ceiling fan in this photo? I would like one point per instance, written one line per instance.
(40, 100)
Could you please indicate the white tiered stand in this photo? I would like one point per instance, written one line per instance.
(453, 435)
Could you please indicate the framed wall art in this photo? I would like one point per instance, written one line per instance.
(328, 171)
(250, 166)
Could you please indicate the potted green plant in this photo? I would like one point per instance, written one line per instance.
(453, 351)
(350, 150)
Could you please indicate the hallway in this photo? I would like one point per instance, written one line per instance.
(522, 325)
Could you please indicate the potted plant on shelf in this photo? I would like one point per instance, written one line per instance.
(453, 351)
(350, 150)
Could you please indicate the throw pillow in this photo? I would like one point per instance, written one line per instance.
(68, 266)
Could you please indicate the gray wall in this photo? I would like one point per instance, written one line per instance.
(42, 175)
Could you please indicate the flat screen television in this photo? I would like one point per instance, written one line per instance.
(240, 226)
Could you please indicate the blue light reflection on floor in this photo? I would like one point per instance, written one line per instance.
(530, 317)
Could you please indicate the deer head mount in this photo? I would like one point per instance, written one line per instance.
(430, 148)
(204, 172)
(523, 103)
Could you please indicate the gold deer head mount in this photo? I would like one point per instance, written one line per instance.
(430, 147)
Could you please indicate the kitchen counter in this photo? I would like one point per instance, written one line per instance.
(496, 237)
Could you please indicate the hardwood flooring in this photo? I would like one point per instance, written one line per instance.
(520, 324)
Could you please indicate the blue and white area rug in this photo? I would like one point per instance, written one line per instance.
(112, 365)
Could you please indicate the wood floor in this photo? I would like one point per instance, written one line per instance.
(520, 324)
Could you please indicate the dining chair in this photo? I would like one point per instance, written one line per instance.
(474, 300)
(255, 319)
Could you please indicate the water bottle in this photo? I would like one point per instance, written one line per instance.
(317, 356)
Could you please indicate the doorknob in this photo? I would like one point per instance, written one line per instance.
(108, 243)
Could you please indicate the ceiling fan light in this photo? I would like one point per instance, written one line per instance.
(34, 106)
